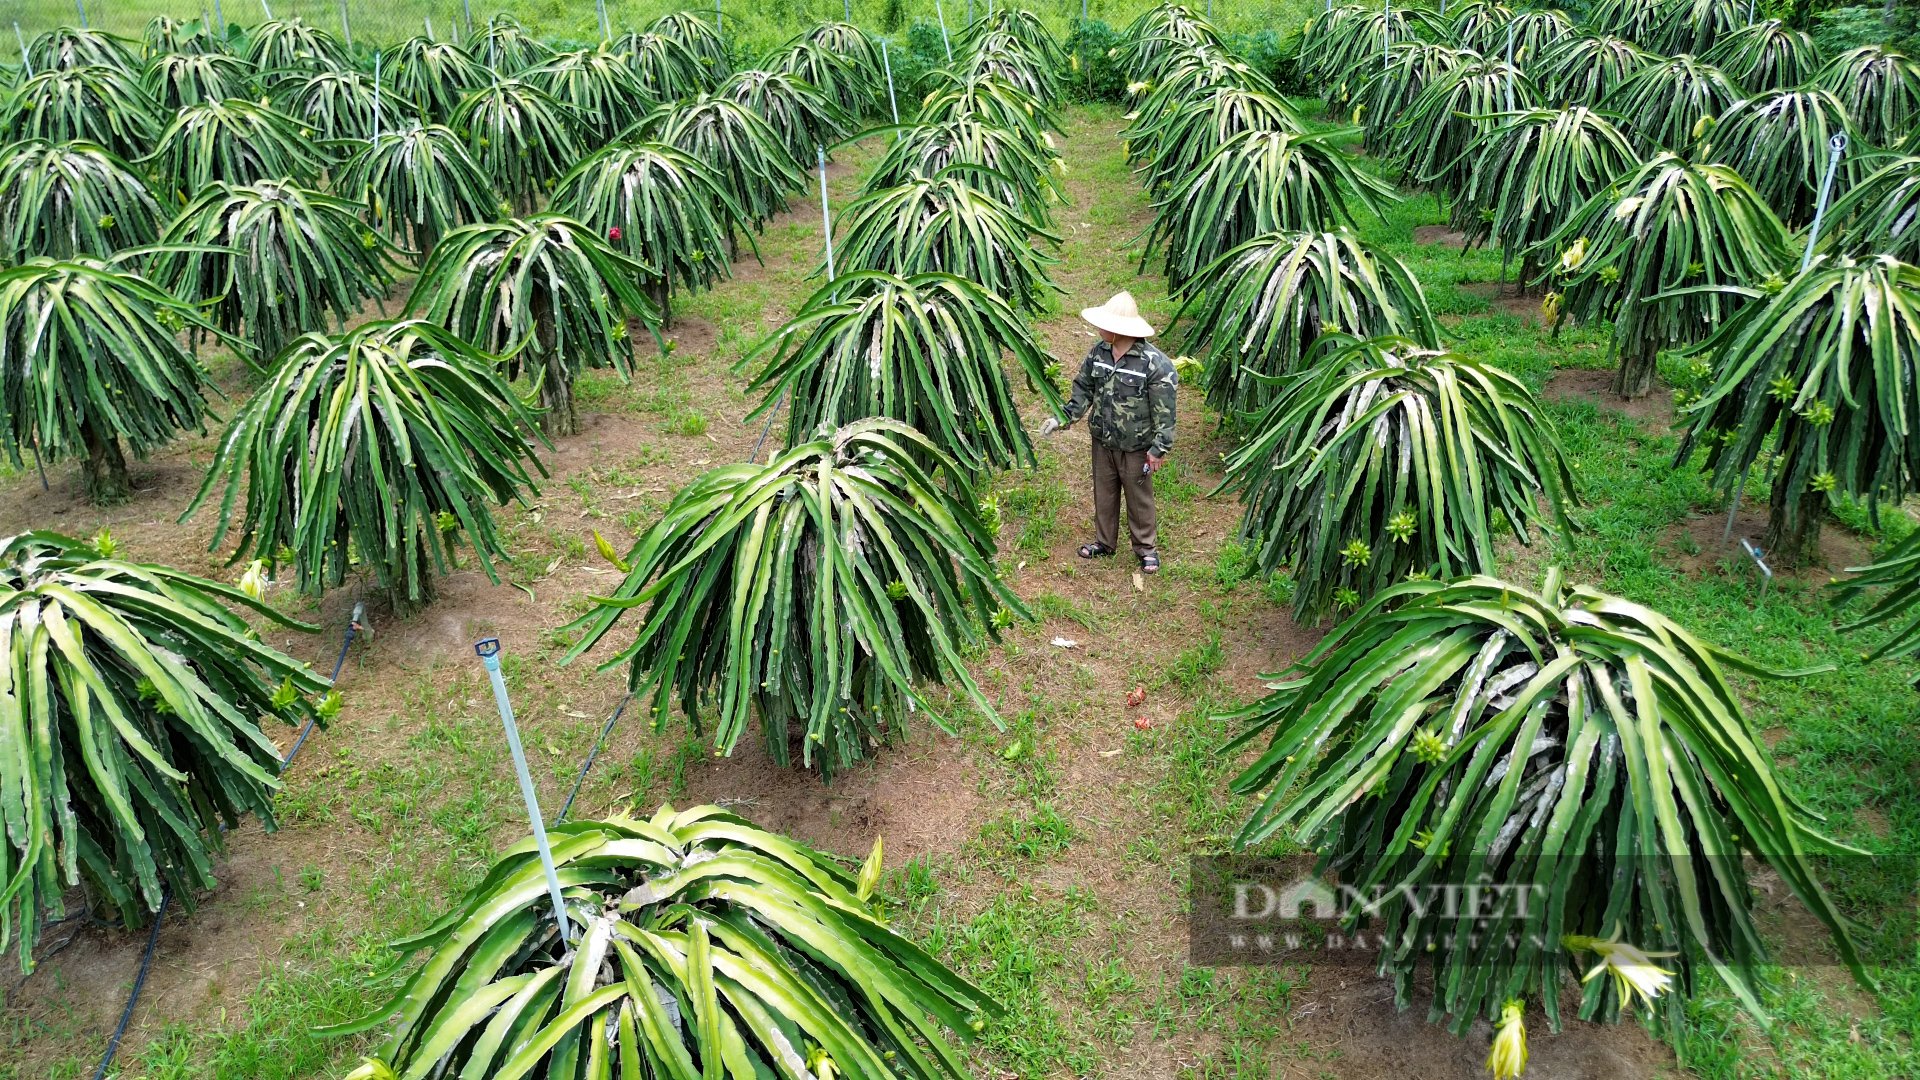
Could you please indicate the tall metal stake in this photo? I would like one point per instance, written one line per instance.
(489, 651)
(466, 12)
(719, 19)
(82, 9)
(885, 62)
(1836, 147)
(826, 215)
(268, 8)
(849, 10)
(346, 28)
(376, 95)
(1386, 37)
(1734, 510)
(429, 22)
(606, 31)
(220, 17)
(941, 14)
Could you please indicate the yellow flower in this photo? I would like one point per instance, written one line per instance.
(1508, 1059)
(1550, 307)
(1634, 972)
(1571, 258)
(372, 1069)
(1135, 88)
(254, 581)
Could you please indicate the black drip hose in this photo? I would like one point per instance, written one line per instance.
(166, 898)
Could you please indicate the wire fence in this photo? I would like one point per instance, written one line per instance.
(753, 25)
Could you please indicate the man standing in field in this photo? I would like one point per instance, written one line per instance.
(1126, 390)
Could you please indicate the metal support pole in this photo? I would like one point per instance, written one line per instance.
(826, 215)
(886, 62)
(849, 9)
(940, 13)
(1836, 147)
(376, 95)
(466, 12)
(428, 19)
(719, 19)
(26, 64)
(969, 21)
(220, 17)
(264, 6)
(489, 651)
(346, 28)
(1734, 511)
(1083, 9)
(82, 9)
(606, 30)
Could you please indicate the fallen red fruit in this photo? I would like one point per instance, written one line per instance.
(1136, 697)
(614, 234)
(1141, 723)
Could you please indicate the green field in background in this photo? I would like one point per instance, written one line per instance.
(762, 23)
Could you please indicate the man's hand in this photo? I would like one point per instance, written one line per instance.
(1154, 463)
(1049, 426)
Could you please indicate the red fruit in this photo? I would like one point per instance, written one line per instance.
(613, 234)
(1141, 723)
(1137, 697)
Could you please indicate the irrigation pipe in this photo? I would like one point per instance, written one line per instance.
(892, 102)
(826, 222)
(1836, 147)
(488, 649)
(166, 898)
(587, 766)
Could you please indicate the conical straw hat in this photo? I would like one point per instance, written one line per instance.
(1119, 315)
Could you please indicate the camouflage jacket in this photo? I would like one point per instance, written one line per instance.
(1129, 404)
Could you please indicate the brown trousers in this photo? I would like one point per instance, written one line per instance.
(1116, 471)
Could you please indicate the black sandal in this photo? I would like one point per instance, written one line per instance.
(1150, 562)
(1095, 550)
